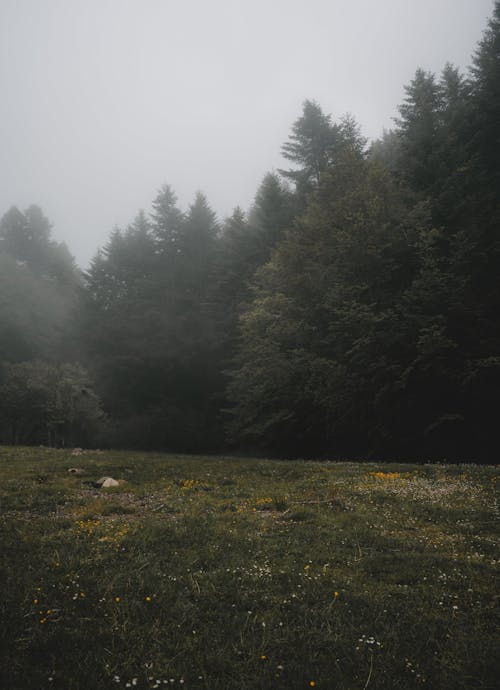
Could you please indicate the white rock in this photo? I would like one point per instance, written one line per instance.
(106, 482)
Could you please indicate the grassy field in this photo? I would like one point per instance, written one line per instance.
(227, 573)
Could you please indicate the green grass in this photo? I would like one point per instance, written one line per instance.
(234, 574)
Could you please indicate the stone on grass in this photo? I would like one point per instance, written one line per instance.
(75, 470)
(107, 482)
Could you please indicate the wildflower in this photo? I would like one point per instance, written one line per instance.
(117, 599)
(148, 598)
(263, 657)
(335, 594)
(35, 601)
(312, 683)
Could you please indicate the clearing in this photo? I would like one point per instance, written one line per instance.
(234, 574)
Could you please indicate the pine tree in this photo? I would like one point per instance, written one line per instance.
(271, 216)
(485, 83)
(418, 128)
(316, 339)
(39, 284)
(166, 220)
(310, 147)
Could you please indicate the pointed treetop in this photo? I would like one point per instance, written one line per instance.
(309, 144)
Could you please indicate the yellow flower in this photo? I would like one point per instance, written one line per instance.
(148, 598)
(263, 657)
(312, 683)
(335, 594)
(117, 599)
(35, 601)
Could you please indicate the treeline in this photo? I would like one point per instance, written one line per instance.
(353, 311)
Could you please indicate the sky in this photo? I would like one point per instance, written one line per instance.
(104, 101)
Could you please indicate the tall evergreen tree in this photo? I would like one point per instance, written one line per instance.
(418, 128)
(271, 215)
(39, 284)
(485, 83)
(167, 220)
(310, 147)
(314, 347)
(151, 332)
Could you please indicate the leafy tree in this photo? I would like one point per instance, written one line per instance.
(50, 404)
(39, 285)
(26, 237)
(386, 150)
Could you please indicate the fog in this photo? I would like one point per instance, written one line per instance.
(103, 101)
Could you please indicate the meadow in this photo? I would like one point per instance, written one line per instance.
(228, 573)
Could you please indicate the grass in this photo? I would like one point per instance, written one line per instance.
(226, 573)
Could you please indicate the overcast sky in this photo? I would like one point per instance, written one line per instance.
(103, 101)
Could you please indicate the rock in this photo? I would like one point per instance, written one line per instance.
(107, 482)
(75, 470)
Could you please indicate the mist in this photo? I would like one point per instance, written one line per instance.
(104, 101)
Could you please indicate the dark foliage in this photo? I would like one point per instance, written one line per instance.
(353, 311)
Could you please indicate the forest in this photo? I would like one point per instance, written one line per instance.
(352, 312)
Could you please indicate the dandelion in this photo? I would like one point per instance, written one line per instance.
(312, 683)
(263, 657)
(35, 601)
(117, 599)
(148, 598)
(335, 594)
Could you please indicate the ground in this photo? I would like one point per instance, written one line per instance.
(231, 574)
